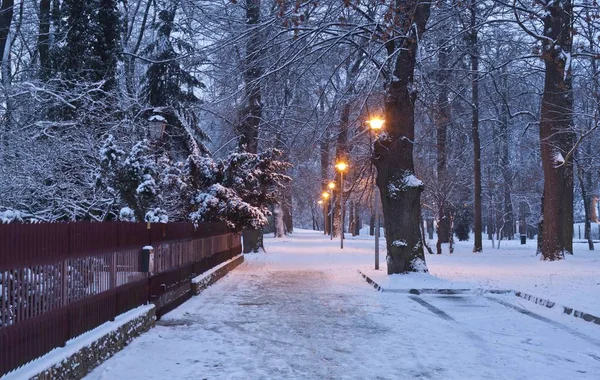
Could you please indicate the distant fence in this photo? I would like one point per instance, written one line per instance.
(60, 280)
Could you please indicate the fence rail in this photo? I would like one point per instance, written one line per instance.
(60, 280)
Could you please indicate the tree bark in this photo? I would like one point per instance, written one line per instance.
(44, 39)
(442, 121)
(6, 15)
(474, 53)
(586, 206)
(251, 115)
(393, 153)
(556, 134)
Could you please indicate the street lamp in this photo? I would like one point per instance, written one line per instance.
(376, 125)
(156, 126)
(331, 186)
(341, 166)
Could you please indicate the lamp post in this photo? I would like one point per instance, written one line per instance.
(341, 166)
(331, 186)
(376, 125)
(325, 203)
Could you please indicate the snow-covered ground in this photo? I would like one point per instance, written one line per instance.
(301, 311)
(574, 282)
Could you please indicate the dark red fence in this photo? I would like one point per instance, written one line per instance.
(60, 280)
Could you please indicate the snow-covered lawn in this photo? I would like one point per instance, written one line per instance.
(301, 311)
(574, 282)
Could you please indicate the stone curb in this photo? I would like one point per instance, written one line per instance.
(528, 297)
(79, 358)
(206, 279)
(566, 310)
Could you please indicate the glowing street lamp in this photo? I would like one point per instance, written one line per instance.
(341, 166)
(331, 185)
(320, 202)
(325, 195)
(376, 125)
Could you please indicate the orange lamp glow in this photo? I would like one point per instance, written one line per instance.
(341, 166)
(331, 185)
(325, 195)
(376, 123)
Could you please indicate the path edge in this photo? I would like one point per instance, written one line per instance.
(587, 317)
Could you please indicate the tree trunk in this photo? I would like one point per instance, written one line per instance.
(6, 15)
(474, 52)
(556, 134)
(393, 153)
(44, 39)
(278, 218)
(251, 115)
(442, 121)
(586, 206)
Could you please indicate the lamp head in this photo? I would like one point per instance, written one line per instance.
(331, 185)
(341, 166)
(376, 124)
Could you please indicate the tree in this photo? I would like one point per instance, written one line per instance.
(393, 154)
(556, 124)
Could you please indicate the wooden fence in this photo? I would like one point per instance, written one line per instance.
(60, 280)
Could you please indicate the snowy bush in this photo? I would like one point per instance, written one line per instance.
(157, 215)
(219, 203)
(127, 215)
(10, 216)
(237, 190)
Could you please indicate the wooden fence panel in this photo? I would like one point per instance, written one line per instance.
(59, 280)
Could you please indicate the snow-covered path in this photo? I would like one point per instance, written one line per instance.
(301, 311)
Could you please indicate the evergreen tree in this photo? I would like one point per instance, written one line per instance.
(91, 47)
(170, 89)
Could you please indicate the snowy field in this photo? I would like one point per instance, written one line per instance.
(301, 311)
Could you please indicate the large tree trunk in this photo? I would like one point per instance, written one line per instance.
(474, 52)
(556, 133)
(393, 154)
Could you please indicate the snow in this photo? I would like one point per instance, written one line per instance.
(412, 181)
(558, 159)
(210, 272)
(10, 216)
(399, 243)
(157, 118)
(302, 311)
(76, 344)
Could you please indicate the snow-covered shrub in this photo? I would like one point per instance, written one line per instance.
(218, 203)
(237, 190)
(127, 215)
(10, 216)
(157, 215)
(131, 178)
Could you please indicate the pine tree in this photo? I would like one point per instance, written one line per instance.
(91, 47)
(169, 88)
